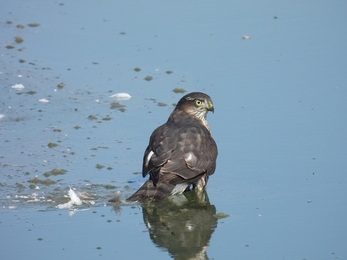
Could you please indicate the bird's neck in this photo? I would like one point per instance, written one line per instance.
(183, 116)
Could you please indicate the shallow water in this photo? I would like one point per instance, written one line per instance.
(280, 125)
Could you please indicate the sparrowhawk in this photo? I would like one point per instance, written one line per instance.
(181, 153)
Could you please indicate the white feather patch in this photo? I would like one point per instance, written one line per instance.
(149, 156)
(121, 96)
(74, 200)
(179, 188)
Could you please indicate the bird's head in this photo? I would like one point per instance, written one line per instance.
(196, 104)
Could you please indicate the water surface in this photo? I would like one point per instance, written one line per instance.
(280, 125)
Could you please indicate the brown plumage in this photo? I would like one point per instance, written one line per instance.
(181, 153)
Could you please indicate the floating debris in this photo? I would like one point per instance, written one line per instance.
(118, 106)
(77, 198)
(2, 116)
(44, 182)
(116, 197)
(148, 78)
(18, 86)
(43, 100)
(92, 117)
(161, 104)
(18, 40)
(220, 215)
(245, 37)
(74, 200)
(55, 172)
(179, 90)
(99, 166)
(121, 96)
(51, 145)
(33, 24)
(109, 187)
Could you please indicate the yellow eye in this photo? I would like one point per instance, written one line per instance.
(198, 102)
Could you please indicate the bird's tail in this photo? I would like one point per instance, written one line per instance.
(150, 193)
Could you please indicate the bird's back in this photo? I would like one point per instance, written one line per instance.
(180, 153)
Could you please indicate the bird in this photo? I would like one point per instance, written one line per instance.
(181, 154)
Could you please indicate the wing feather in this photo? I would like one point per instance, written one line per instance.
(181, 152)
(187, 151)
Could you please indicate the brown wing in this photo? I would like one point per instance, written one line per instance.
(186, 151)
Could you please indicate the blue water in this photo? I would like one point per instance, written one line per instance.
(280, 123)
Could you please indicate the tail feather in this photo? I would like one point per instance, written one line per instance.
(148, 192)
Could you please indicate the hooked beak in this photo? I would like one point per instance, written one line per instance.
(210, 106)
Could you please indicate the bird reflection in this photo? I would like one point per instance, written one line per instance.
(183, 224)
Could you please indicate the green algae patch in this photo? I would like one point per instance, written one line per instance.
(31, 92)
(58, 172)
(92, 117)
(137, 69)
(107, 118)
(39, 181)
(161, 104)
(60, 85)
(148, 78)
(109, 187)
(57, 130)
(109, 168)
(61, 200)
(20, 186)
(99, 166)
(18, 40)
(51, 145)
(77, 127)
(168, 72)
(9, 47)
(117, 105)
(55, 172)
(179, 90)
(221, 215)
(33, 24)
